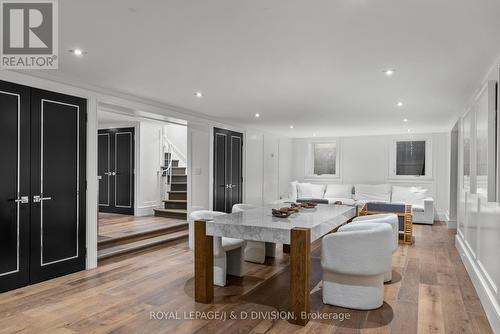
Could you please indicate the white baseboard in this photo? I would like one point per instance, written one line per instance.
(451, 223)
(145, 210)
(487, 297)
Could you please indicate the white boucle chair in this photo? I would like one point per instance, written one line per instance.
(255, 251)
(228, 252)
(387, 218)
(354, 261)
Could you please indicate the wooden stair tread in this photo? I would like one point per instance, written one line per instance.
(175, 201)
(172, 210)
(141, 244)
(178, 191)
(169, 228)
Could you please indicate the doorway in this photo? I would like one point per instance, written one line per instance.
(43, 178)
(142, 171)
(115, 169)
(228, 170)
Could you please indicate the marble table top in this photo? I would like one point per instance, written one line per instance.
(259, 225)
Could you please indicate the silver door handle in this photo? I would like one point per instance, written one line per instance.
(114, 173)
(23, 200)
(38, 199)
(107, 173)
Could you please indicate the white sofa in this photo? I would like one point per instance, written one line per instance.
(359, 194)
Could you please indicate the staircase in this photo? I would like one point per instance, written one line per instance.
(176, 204)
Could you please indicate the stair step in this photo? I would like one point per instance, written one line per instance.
(178, 171)
(170, 228)
(177, 195)
(171, 213)
(178, 186)
(175, 163)
(175, 204)
(175, 201)
(142, 244)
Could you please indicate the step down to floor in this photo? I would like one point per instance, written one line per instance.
(171, 213)
(151, 233)
(142, 244)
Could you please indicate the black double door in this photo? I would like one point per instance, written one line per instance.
(115, 168)
(228, 162)
(42, 185)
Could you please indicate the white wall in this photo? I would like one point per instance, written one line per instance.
(199, 160)
(365, 159)
(148, 161)
(478, 233)
(177, 136)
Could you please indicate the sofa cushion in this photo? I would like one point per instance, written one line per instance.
(372, 192)
(345, 201)
(309, 190)
(338, 191)
(410, 195)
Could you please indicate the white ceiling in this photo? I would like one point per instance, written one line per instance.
(314, 64)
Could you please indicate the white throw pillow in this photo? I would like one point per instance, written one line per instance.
(309, 190)
(409, 195)
(292, 193)
(338, 191)
(372, 192)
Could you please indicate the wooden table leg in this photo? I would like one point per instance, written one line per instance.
(300, 264)
(203, 264)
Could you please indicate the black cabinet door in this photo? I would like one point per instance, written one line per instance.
(228, 170)
(116, 170)
(14, 185)
(58, 148)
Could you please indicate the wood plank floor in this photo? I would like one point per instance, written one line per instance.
(113, 225)
(431, 293)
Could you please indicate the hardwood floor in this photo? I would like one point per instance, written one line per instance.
(116, 226)
(430, 293)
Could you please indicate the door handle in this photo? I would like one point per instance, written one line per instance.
(38, 199)
(23, 200)
(108, 173)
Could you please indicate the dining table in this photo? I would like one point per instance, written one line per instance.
(298, 230)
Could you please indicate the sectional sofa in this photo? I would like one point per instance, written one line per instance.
(359, 194)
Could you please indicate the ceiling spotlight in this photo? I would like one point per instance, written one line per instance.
(198, 95)
(77, 52)
(400, 104)
(405, 120)
(409, 130)
(314, 135)
(389, 72)
(291, 126)
(257, 115)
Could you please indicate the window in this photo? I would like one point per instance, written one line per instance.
(410, 158)
(323, 159)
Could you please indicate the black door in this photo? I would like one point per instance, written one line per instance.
(58, 148)
(228, 170)
(14, 185)
(42, 185)
(116, 170)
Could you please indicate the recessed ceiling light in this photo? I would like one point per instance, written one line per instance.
(291, 126)
(400, 104)
(314, 135)
(389, 72)
(257, 115)
(405, 120)
(77, 52)
(409, 130)
(198, 95)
